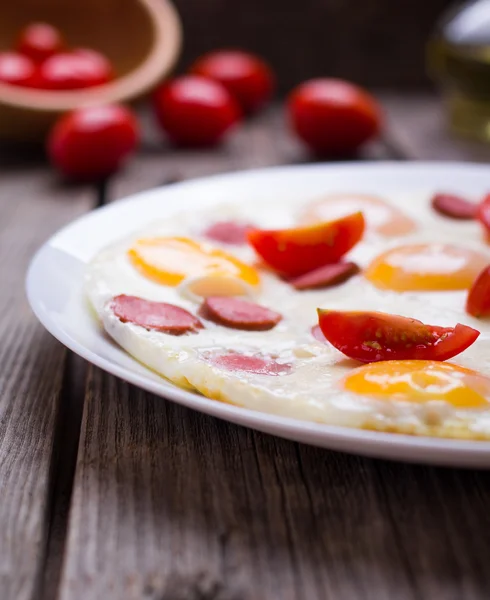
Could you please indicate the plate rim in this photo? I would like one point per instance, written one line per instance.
(452, 449)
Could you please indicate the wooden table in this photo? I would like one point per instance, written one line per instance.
(107, 492)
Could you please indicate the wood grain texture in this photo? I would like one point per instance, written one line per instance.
(170, 504)
(32, 206)
(418, 123)
(262, 141)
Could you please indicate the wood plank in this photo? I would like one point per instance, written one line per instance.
(33, 205)
(169, 504)
(262, 141)
(418, 124)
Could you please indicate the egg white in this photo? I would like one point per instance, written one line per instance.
(311, 391)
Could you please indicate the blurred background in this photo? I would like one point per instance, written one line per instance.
(378, 43)
(118, 51)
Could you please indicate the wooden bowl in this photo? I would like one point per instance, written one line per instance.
(142, 38)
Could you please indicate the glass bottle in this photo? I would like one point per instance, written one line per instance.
(459, 61)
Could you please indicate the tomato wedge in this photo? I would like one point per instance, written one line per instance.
(478, 301)
(297, 251)
(483, 213)
(373, 336)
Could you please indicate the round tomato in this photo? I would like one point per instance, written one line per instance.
(333, 117)
(294, 252)
(75, 70)
(17, 69)
(375, 336)
(39, 41)
(246, 76)
(195, 111)
(91, 143)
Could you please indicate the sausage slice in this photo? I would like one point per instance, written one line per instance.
(454, 207)
(156, 316)
(237, 313)
(233, 361)
(317, 333)
(228, 232)
(325, 276)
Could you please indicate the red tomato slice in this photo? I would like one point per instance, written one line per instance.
(478, 301)
(484, 214)
(373, 336)
(294, 252)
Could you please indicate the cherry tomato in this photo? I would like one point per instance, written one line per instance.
(483, 214)
(195, 111)
(374, 336)
(17, 69)
(293, 252)
(246, 76)
(39, 41)
(332, 116)
(478, 301)
(79, 69)
(91, 143)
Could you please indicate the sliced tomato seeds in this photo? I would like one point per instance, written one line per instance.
(300, 250)
(374, 336)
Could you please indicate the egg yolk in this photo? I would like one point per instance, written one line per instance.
(428, 267)
(170, 260)
(380, 216)
(420, 381)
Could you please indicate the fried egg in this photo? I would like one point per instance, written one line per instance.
(421, 268)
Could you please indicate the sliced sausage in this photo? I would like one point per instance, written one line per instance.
(228, 232)
(237, 313)
(157, 316)
(233, 361)
(325, 276)
(453, 206)
(317, 333)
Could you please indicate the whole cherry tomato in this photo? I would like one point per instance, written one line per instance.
(333, 117)
(246, 76)
(39, 41)
(374, 336)
(297, 251)
(195, 111)
(18, 69)
(92, 142)
(79, 69)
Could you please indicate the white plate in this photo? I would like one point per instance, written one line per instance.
(54, 288)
